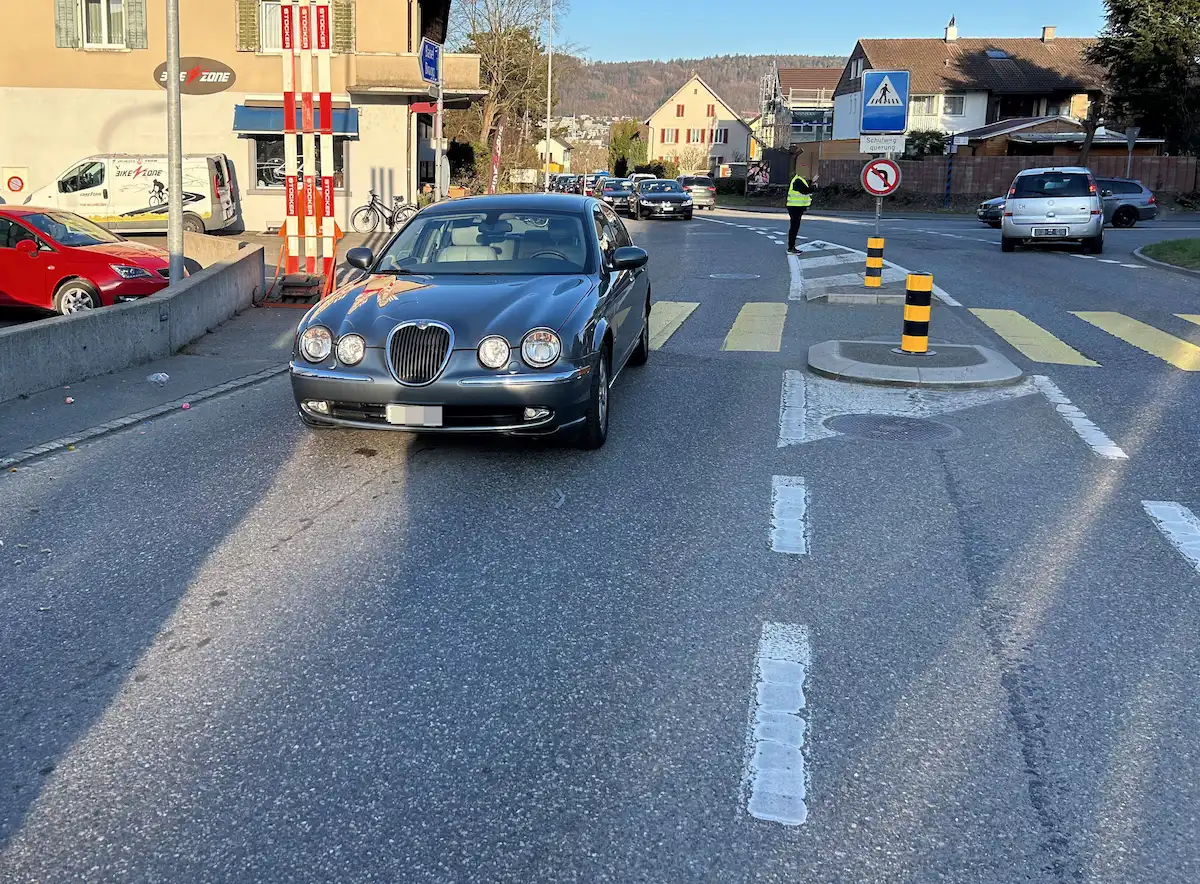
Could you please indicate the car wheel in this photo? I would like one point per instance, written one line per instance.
(641, 353)
(1126, 216)
(192, 223)
(687, 217)
(75, 296)
(595, 426)
(1095, 245)
(1007, 244)
(995, 225)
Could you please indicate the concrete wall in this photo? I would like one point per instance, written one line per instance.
(65, 349)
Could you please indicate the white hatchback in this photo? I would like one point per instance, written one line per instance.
(1053, 205)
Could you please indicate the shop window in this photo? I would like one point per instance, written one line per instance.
(269, 165)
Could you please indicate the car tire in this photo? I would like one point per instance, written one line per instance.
(1094, 245)
(1126, 216)
(995, 225)
(594, 431)
(75, 296)
(192, 223)
(1008, 244)
(687, 217)
(641, 352)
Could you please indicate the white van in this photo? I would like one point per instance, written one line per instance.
(126, 192)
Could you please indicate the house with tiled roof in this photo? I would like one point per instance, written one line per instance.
(963, 83)
(803, 106)
(696, 124)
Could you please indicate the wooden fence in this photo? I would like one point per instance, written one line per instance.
(991, 176)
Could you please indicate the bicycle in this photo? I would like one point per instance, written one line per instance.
(366, 218)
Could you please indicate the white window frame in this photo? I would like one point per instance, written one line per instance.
(670, 136)
(274, 46)
(946, 99)
(106, 43)
(720, 136)
(696, 135)
(856, 68)
(928, 102)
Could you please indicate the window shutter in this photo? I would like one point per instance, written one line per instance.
(662, 136)
(343, 26)
(247, 26)
(66, 24)
(135, 24)
(689, 136)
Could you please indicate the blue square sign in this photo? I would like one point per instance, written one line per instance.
(431, 61)
(884, 102)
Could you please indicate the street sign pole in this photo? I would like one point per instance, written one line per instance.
(549, 84)
(1131, 137)
(437, 128)
(431, 73)
(174, 147)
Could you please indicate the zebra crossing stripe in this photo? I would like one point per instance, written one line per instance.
(1182, 354)
(665, 319)
(1030, 338)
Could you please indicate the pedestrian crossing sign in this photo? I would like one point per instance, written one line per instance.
(884, 102)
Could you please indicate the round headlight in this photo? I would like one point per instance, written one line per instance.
(316, 344)
(540, 348)
(351, 349)
(493, 352)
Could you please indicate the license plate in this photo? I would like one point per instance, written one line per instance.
(1050, 231)
(668, 208)
(414, 415)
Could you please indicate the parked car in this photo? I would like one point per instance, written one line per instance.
(129, 193)
(641, 176)
(661, 198)
(505, 314)
(1126, 201)
(615, 192)
(702, 189)
(1053, 205)
(57, 260)
(991, 212)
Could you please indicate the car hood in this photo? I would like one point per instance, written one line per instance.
(473, 306)
(664, 197)
(131, 252)
(998, 201)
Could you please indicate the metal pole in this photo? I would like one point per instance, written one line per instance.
(878, 212)
(437, 127)
(174, 146)
(549, 85)
(1129, 163)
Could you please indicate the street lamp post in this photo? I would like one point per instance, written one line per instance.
(549, 83)
(174, 147)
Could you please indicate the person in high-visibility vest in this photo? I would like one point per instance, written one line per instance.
(799, 198)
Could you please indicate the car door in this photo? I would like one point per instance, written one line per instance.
(1110, 193)
(621, 310)
(84, 190)
(22, 274)
(640, 277)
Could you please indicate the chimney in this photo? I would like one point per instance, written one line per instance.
(1048, 33)
(951, 31)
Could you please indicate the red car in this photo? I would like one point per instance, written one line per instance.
(59, 261)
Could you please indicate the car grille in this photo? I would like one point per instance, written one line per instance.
(419, 352)
(165, 273)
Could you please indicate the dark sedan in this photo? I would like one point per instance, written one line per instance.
(616, 193)
(991, 212)
(501, 314)
(660, 198)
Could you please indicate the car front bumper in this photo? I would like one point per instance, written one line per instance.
(666, 210)
(1075, 231)
(473, 399)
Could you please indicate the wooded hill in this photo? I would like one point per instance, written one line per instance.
(636, 88)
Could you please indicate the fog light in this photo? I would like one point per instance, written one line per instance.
(536, 414)
(320, 406)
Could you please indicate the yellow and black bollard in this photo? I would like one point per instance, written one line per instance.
(874, 277)
(918, 298)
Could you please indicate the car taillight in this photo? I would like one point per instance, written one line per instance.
(1008, 214)
(1095, 211)
(1151, 199)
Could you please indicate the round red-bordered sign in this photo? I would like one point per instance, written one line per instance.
(880, 177)
(15, 184)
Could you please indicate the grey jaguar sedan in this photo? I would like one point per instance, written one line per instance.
(500, 314)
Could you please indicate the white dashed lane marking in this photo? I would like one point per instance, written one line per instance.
(1179, 525)
(774, 776)
(789, 515)
(1078, 421)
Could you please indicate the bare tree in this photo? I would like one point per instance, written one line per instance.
(693, 158)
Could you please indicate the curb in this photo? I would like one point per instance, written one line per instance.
(826, 359)
(1186, 271)
(9, 462)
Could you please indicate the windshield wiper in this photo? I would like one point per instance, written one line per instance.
(399, 271)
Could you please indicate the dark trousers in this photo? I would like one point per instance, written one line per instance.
(796, 213)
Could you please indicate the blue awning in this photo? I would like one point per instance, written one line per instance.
(269, 120)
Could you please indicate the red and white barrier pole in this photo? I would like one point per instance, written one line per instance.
(287, 15)
(324, 50)
(308, 136)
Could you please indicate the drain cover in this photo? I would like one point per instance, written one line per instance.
(733, 276)
(889, 428)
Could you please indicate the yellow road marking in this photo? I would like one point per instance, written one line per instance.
(758, 328)
(1030, 338)
(665, 319)
(1190, 317)
(1177, 352)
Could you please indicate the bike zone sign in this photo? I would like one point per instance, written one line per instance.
(198, 76)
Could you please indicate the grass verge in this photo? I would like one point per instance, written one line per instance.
(1180, 252)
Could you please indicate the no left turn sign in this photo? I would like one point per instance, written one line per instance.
(15, 184)
(880, 177)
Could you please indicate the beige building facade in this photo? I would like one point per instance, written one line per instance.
(77, 79)
(698, 130)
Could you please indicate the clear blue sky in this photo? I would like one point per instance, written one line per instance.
(628, 30)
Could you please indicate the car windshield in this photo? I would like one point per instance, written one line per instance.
(1047, 185)
(661, 187)
(616, 184)
(70, 230)
(494, 243)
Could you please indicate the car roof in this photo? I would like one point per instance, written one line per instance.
(25, 210)
(1080, 169)
(515, 202)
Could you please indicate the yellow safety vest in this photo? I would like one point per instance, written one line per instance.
(795, 197)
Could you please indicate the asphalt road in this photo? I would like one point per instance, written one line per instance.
(236, 650)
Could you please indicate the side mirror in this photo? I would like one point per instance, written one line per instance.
(362, 258)
(629, 258)
(62, 187)
(29, 247)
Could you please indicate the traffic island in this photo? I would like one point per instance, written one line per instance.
(882, 362)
